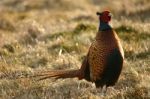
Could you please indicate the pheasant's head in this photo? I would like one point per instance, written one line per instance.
(104, 16)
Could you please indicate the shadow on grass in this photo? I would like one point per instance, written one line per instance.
(142, 14)
(71, 34)
(84, 27)
(129, 34)
(83, 18)
(123, 28)
(141, 55)
(40, 62)
(9, 48)
(63, 48)
(71, 44)
(6, 25)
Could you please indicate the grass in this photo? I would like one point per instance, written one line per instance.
(56, 35)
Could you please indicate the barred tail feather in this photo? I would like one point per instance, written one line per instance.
(58, 74)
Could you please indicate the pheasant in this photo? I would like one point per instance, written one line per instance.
(104, 61)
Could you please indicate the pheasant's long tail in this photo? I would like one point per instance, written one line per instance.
(58, 74)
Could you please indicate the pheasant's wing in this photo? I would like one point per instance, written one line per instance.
(112, 69)
(96, 59)
(99, 56)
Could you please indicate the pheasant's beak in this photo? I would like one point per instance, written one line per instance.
(98, 13)
(110, 14)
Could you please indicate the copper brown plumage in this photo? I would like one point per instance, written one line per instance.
(104, 61)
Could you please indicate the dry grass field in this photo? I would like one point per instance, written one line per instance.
(56, 34)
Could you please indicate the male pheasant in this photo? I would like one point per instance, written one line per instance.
(104, 61)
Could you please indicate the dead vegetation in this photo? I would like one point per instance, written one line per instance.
(47, 34)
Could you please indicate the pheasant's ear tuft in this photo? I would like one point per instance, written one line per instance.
(98, 13)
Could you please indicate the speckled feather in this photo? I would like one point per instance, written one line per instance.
(101, 48)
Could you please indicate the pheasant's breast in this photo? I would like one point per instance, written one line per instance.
(98, 54)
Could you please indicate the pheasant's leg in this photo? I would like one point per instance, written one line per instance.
(104, 90)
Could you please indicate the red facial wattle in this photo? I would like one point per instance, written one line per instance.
(104, 16)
